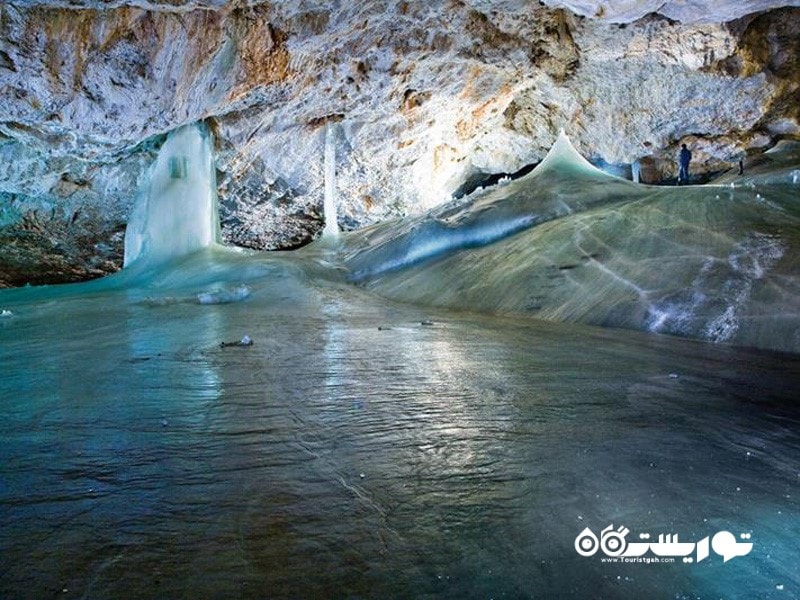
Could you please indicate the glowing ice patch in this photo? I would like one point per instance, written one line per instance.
(224, 296)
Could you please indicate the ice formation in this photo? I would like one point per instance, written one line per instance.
(331, 228)
(568, 242)
(484, 217)
(224, 296)
(175, 211)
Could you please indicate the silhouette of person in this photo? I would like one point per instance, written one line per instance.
(684, 159)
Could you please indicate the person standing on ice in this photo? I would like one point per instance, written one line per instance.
(684, 158)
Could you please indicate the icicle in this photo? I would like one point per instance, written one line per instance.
(329, 208)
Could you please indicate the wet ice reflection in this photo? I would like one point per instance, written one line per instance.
(353, 450)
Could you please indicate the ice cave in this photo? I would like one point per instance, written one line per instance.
(382, 299)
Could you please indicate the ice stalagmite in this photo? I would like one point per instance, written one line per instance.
(175, 211)
(564, 157)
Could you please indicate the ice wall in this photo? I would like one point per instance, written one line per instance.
(175, 211)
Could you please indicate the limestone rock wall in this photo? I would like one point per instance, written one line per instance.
(428, 97)
(686, 11)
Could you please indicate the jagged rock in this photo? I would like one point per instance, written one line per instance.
(430, 97)
(626, 11)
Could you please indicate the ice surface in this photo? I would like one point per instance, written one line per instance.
(352, 451)
(175, 211)
(570, 243)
